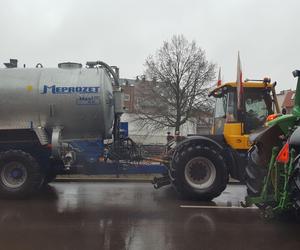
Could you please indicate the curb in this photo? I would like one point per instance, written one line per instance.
(105, 178)
(101, 180)
(147, 179)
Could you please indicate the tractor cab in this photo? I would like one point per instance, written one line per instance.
(258, 102)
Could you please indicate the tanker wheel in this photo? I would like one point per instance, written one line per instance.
(20, 174)
(198, 172)
(49, 177)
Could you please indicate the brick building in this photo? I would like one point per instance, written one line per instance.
(286, 99)
(289, 101)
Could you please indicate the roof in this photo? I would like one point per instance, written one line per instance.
(247, 85)
(215, 91)
(289, 99)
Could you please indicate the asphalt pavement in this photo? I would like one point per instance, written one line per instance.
(111, 215)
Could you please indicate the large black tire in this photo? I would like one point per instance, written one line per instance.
(198, 172)
(295, 186)
(49, 177)
(20, 174)
(256, 171)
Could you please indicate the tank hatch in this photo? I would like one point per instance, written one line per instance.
(69, 65)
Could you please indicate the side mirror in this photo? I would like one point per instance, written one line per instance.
(296, 73)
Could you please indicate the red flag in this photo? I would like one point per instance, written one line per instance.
(239, 84)
(219, 82)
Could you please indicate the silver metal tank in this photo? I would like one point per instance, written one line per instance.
(78, 100)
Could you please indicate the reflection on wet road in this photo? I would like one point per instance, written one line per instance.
(135, 216)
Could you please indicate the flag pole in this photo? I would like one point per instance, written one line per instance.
(219, 82)
(240, 92)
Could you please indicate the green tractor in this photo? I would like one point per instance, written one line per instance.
(273, 170)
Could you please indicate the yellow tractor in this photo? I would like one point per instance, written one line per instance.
(200, 165)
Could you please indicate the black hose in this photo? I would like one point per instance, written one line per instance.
(111, 71)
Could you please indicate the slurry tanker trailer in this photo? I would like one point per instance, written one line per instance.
(43, 110)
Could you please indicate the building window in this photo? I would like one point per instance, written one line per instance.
(126, 97)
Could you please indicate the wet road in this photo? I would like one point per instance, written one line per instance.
(134, 216)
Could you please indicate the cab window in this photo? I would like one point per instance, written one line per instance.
(226, 107)
(258, 105)
(220, 109)
(231, 112)
(220, 114)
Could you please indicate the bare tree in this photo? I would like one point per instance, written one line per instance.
(178, 90)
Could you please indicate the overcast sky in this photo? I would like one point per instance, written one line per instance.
(124, 33)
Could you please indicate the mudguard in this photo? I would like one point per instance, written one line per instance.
(216, 142)
(295, 138)
(265, 134)
(265, 139)
(232, 158)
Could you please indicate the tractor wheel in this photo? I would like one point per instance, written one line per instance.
(295, 187)
(20, 174)
(198, 172)
(255, 172)
(49, 177)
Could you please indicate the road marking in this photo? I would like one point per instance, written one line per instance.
(216, 207)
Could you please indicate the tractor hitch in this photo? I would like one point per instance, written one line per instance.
(159, 182)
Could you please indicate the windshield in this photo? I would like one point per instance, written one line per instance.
(258, 105)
